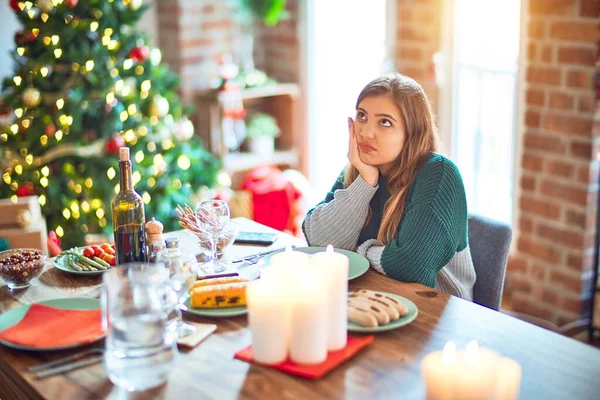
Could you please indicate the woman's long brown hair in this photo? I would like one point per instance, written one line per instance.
(420, 141)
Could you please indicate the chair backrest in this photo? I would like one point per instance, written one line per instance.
(489, 241)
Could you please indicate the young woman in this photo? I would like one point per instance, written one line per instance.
(398, 203)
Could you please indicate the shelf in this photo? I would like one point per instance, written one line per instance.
(234, 162)
(277, 89)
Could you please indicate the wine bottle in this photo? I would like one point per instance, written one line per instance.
(128, 216)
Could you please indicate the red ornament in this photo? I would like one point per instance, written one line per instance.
(26, 190)
(70, 3)
(139, 53)
(14, 4)
(50, 130)
(114, 144)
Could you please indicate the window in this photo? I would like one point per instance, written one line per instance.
(484, 77)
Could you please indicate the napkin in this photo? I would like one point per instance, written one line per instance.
(44, 326)
(314, 371)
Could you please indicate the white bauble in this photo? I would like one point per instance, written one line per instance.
(184, 130)
(155, 56)
(159, 107)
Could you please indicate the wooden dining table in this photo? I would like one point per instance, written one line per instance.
(554, 366)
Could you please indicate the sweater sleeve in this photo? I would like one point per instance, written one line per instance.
(432, 229)
(421, 249)
(339, 219)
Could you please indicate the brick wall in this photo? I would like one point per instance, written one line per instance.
(550, 270)
(419, 33)
(277, 51)
(193, 35)
(550, 267)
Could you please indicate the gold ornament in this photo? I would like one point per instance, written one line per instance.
(45, 5)
(134, 4)
(159, 107)
(31, 97)
(24, 218)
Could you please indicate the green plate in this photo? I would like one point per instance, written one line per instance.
(216, 312)
(61, 263)
(358, 264)
(413, 311)
(16, 314)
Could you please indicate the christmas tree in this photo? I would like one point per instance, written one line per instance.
(86, 83)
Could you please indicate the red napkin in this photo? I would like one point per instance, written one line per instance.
(315, 371)
(45, 326)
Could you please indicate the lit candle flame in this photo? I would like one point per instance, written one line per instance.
(449, 353)
(329, 249)
(472, 352)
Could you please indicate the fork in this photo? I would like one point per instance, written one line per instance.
(255, 258)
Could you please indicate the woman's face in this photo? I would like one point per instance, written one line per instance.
(380, 132)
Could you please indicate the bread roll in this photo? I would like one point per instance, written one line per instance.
(362, 317)
(381, 314)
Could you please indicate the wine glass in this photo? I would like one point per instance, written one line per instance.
(214, 215)
(181, 279)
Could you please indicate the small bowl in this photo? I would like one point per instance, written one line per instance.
(18, 267)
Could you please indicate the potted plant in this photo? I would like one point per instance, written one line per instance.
(261, 133)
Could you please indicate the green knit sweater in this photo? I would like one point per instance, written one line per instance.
(433, 228)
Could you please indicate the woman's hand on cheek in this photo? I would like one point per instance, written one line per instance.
(369, 173)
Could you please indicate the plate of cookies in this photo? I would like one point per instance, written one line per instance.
(371, 311)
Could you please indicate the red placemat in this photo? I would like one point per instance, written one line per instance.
(45, 326)
(315, 371)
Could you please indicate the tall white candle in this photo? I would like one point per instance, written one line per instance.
(289, 258)
(334, 266)
(508, 382)
(308, 329)
(268, 321)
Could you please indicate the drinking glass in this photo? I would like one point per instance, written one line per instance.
(140, 348)
(214, 215)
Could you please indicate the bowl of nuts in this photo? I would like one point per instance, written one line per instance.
(18, 267)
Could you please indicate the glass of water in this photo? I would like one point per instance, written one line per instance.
(140, 349)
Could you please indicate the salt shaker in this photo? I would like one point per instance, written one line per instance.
(174, 254)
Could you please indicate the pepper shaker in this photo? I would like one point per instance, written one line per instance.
(154, 230)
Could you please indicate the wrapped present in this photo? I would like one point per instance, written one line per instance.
(34, 237)
(26, 212)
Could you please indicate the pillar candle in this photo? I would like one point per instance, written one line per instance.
(308, 329)
(476, 377)
(438, 369)
(509, 379)
(334, 266)
(268, 321)
(476, 373)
